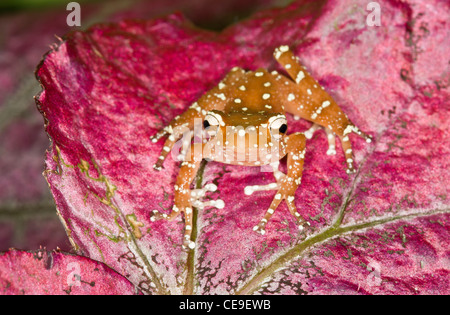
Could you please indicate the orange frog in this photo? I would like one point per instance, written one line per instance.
(244, 123)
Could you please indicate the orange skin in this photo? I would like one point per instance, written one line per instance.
(244, 117)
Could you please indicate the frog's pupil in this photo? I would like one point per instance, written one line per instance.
(283, 128)
(206, 124)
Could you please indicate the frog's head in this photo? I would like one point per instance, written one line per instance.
(243, 132)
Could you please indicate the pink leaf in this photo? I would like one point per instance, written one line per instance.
(107, 90)
(403, 257)
(43, 272)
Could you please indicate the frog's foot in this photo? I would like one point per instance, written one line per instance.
(331, 142)
(186, 207)
(187, 242)
(347, 147)
(163, 132)
(196, 194)
(352, 128)
(309, 133)
(156, 215)
(248, 190)
(293, 210)
(260, 227)
(330, 136)
(172, 142)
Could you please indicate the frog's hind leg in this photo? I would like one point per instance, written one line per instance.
(307, 99)
(286, 185)
(249, 190)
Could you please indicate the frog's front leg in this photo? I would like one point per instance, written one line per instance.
(180, 127)
(287, 185)
(183, 200)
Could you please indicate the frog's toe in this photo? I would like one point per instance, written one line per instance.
(188, 244)
(309, 133)
(301, 223)
(350, 169)
(331, 142)
(156, 215)
(197, 194)
(200, 192)
(219, 204)
(158, 165)
(248, 190)
(260, 227)
(155, 138)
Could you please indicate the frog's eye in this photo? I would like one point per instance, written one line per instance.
(211, 123)
(212, 119)
(278, 126)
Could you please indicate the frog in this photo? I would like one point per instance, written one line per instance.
(243, 122)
